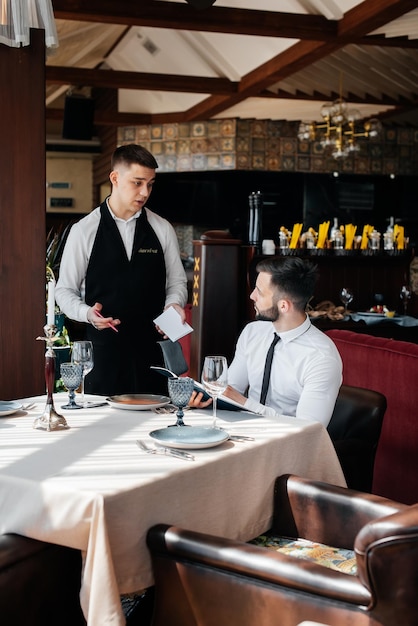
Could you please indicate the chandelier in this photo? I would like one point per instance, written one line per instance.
(340, 129)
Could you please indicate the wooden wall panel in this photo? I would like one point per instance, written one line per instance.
(105, 100)
(22, 218)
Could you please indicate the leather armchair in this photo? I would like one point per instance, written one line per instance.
(207, 581)
(355, 428)
(39, 583)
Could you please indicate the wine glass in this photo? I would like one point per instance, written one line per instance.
(180, 390)
(71, 376)
(215, 379)
(405, 295)
(346, 296)
(82, 354)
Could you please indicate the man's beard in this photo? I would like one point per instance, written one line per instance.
(269, 315)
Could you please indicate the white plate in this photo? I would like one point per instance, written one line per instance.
(8, 407)
(138, 401)
(193, 437)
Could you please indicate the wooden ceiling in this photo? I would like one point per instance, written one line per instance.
(266, 59)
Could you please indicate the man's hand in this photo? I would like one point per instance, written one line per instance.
(98, 321)
(196, 401)
(235, 395)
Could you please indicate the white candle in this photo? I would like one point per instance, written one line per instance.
(51, 303)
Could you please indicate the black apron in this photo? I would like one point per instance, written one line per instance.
(133, 291)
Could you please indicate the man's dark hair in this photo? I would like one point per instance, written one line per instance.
(292, 276)
(133, 153)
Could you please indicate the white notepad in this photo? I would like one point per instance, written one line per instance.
(171, 324)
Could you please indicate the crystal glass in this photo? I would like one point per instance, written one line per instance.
(405, 296)
(215, 378)
(82, 354)
(71, 376)
(346, 296)
(180, 390)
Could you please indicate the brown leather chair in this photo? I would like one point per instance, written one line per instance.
(39, 583)
(355, 428)
(202, 580)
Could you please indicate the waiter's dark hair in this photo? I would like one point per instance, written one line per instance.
(133, 153)
(293, 277)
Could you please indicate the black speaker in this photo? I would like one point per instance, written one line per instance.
(78, 118)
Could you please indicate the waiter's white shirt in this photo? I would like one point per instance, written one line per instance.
(70, 290)
(306, 372)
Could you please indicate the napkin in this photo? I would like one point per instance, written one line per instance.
(350, 231)
(367, 229)
(296, 232)
(171, 324)
(322, 235)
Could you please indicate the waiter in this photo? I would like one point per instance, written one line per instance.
(120, 269)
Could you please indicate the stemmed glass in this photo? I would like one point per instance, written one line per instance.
(180, 390)
(405, 296)
(71, 376)
(215, 379)
(346, 296)
(82, 354)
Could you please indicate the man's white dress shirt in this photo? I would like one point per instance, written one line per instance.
(306, 372)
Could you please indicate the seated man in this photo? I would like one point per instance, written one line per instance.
(306, 368)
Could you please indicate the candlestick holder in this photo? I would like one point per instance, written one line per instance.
(50, 419)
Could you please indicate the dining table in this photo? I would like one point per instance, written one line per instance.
(91, 487)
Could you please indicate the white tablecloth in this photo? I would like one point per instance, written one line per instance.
(91, 487)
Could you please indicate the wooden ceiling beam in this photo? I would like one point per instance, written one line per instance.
(78, 76)
(386, 42)
(370, 15)
(362, 19)
(185, 17)
(221, 19)
(384, 100)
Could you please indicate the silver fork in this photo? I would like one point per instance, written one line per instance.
(180, 454)
(164, 410)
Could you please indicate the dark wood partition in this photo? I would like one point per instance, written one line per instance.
(22, 218)
(215, 299)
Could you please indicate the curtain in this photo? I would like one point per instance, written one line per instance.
(18, 16)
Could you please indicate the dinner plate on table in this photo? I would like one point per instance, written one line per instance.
(138, 401)
(8, 407)
(193, 437)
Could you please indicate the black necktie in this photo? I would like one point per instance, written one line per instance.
(267, 369)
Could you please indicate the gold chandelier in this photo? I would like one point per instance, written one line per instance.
(340, 129)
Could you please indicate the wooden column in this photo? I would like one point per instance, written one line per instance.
(22, 218)
(216, 300)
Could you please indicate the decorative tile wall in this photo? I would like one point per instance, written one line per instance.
(232, 144)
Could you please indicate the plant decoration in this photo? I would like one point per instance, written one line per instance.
(55, 242)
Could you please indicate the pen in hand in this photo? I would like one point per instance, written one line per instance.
(112, 326)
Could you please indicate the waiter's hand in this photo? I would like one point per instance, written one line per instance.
(179, 310)
(97, 320)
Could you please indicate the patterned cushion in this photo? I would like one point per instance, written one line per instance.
(335, 558)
